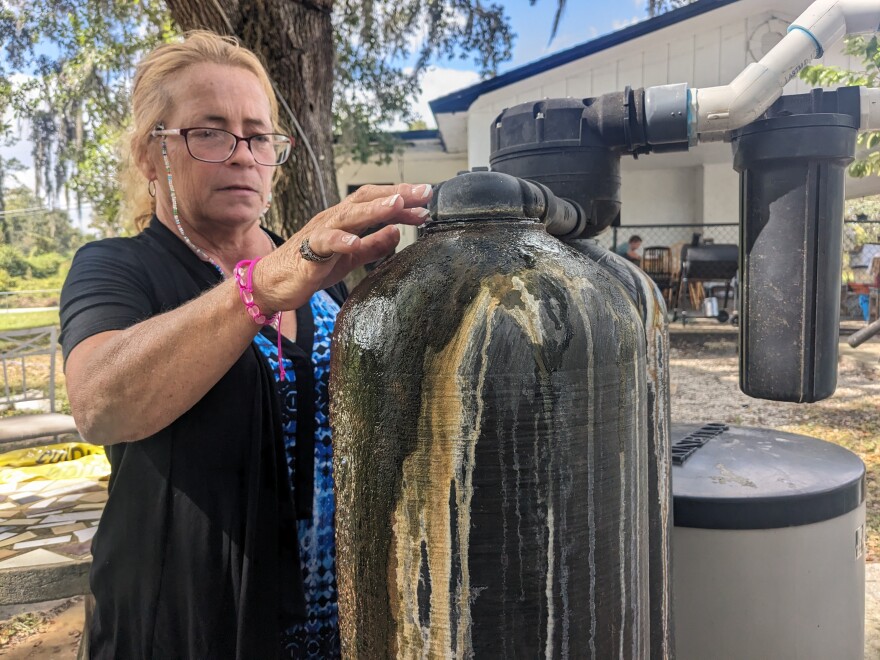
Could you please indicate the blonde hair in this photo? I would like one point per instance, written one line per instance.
(151, 101)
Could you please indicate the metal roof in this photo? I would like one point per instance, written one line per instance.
(421, 134)
(462, 99)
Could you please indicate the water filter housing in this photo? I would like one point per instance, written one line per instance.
(792, 170)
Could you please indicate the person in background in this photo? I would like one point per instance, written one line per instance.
(198, 352)
(630, 249)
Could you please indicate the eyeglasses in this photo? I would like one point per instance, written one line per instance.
(214, 145)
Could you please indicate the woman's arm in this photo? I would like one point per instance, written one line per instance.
(127, 385)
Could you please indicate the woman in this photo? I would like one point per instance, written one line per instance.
(217, 537)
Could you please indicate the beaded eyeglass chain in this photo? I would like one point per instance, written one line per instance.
(192, 246)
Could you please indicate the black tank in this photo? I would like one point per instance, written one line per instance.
(489, 395)
(647, 297)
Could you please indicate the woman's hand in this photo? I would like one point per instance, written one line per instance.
(284, 280)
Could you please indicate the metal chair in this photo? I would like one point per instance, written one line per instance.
(657, 264)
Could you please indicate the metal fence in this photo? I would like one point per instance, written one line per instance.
(670, 235)
(861, 243)
(858, 237)
(29, 299)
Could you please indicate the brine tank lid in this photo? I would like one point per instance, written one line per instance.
(751, 478)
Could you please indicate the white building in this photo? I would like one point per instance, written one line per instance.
(704, 44)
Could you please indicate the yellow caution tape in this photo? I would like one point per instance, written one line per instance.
(69, 460)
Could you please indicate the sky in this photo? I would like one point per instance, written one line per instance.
(582, 21)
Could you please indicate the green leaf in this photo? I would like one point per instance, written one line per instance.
(867, 51)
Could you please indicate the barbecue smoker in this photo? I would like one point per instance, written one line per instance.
(708, 263)
(501, 405)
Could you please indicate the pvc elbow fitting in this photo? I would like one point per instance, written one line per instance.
(828, 21)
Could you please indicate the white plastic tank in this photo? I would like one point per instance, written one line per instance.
(768, 546)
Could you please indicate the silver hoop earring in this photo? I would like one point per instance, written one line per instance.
(151, 187)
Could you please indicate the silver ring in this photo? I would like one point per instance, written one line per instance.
(310, 255)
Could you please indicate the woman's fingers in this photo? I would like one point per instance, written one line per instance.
(378, 244)
(337, 230)
(366, 249)
(413, 195)
(401, 206)
(348, 234)
(414, 216)
(334, 241)
(370, 192)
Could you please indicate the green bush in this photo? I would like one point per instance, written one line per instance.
(33, 283)
(46, 264)
(13, 261)
(7, 281)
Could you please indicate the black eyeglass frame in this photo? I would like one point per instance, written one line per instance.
(184, 132)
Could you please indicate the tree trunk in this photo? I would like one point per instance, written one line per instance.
(294, 39)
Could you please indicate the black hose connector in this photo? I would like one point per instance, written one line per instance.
(573, 146)
(562, 218)
(493, 196)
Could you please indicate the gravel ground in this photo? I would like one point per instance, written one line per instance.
(705, 387)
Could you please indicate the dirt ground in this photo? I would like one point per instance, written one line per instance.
(43, 633)
(704, 375)
(704, 386)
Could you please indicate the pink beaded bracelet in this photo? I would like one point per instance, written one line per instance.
(244, 277)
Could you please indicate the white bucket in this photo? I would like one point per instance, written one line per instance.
(710, 306)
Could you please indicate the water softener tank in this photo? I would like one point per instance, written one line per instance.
(563, 144)
(489, 389)
(649, 301)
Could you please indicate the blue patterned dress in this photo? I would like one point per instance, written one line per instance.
(319, 636)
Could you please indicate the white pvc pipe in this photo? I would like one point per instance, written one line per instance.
(829, 20)
(725, 108)
(718, 110)
(861, 16)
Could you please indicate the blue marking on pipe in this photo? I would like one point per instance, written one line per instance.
(819, 50)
